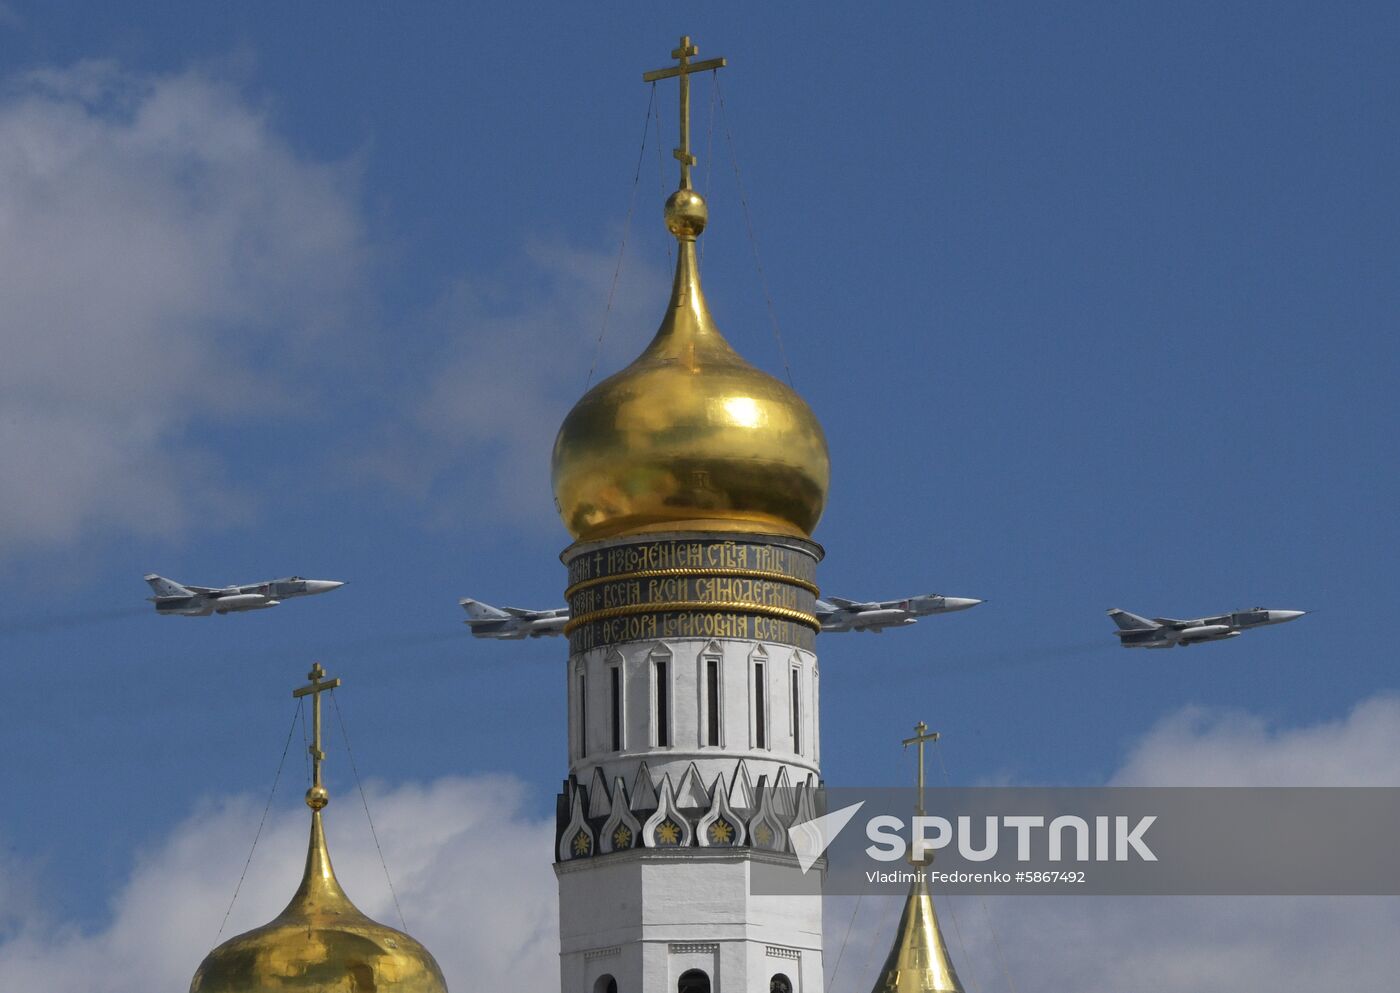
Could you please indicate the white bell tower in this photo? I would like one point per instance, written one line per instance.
(694, 743)
(692, 482)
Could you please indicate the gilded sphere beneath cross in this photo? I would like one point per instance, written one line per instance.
(686, 214)
(317, 797)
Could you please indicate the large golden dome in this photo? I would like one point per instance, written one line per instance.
(321, 943)
(690, 437)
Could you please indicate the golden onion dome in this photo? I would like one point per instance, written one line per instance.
(918, 961)
(690, 437)
(321, 943)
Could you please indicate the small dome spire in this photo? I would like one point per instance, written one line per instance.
(918, 961)
(690, 437)
(321, 943)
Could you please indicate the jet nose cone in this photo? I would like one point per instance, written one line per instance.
(322, 585)
(959, 602)
(1285, 615)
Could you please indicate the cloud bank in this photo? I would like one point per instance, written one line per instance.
(471, 869)
(475, 426)
(172, 267)
(164, 258)
(1176, 944)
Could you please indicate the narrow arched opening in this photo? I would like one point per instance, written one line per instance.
(605, 984)
(779, 984)
(693, 981)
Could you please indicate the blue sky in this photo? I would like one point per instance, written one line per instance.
(1097, 304)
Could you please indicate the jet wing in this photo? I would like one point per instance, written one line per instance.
(846, 604)
(525, 615)
(262, 587)
(1176, 622)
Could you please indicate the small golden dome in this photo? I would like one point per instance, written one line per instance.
(918, 961)
(690, 437)
(320, 944)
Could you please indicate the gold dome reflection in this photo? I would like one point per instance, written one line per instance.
(690, 436)
(743, 411)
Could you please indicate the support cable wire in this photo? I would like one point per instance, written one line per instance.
(710, 146)
(996, 940)
(957, 931)
(753, 242)
(660, 159)
(835, 969)
(622, 248)
(291, 729)
(887, 923)
(306, 746)
(340, 718)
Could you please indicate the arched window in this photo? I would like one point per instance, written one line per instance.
(693, 981)
(661, 696)
(779, 984)
(605, 984)
(582, 713)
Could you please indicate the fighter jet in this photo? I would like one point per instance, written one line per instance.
(1168, 632)
(849, 615)
(487, 621)
(201, 601)
(510, 623)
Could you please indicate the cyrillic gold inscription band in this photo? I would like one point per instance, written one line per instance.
(750, 587)
(782, 613)
(777, 577)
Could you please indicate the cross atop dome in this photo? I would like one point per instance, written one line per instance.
(683, 55)
(922, 736)
(316, 796)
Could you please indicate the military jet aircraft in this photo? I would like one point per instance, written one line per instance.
(851, 615)
(1168, 632)
(510, 623)
(201, 601)
(487, 621)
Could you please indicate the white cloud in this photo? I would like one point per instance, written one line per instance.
(1202, 747)
(473, 874)
(471, 869)
(1179, 944)
(477, 430)
(165, 257)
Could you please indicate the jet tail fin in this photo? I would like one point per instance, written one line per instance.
(163, 587)
(478, 611)
(1130, 622)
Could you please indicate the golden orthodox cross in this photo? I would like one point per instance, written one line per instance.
(920, 738)
(686, 67)
(316, 797)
